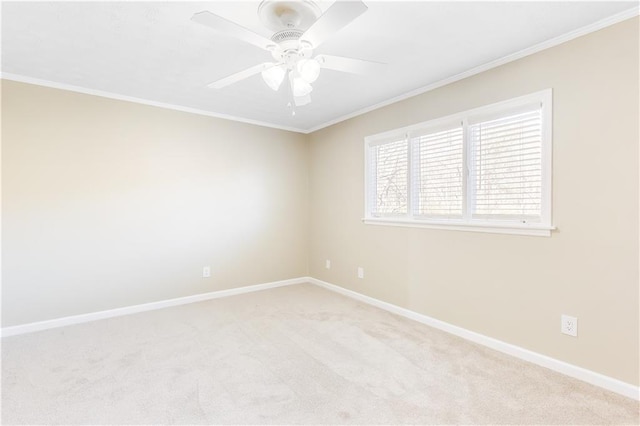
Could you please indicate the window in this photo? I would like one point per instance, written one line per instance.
(440, 171)
(488, 169)
(390, 161)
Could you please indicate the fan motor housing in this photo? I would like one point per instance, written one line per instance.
(291, 51)
(287, 35)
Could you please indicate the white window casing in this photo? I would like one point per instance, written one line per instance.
(486, 169)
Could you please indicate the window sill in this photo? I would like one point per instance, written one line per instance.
(495, 228)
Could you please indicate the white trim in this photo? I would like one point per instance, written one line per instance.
(547, 159)
(595, 26)
(111, 95)
(597, 379)
(493, 228)
(562, 367)
(498, 108)
(127, 310)
(468, 222)
(598, 25)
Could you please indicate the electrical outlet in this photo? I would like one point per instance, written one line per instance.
(327, 264)
(206, 272)
(569, 325)
(360, 272)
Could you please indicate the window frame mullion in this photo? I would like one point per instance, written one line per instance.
(470, 168)
(410, 178)
(467, 164)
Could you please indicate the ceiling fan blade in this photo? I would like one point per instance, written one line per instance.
(234, 78)
(231, 29)
(355, 66)
(333, 20)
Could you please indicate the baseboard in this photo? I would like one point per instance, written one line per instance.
(127, 310)
(571, 370)
(565, 368)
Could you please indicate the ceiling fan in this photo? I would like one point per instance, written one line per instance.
(300, 27)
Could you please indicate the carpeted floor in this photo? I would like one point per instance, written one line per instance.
(290, 355)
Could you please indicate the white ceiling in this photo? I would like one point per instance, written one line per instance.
(153, 51)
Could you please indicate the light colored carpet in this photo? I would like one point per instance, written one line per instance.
(291, 355)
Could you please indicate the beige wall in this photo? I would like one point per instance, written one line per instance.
(109, 204)
(513, 288)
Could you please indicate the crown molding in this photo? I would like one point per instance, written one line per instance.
(120, 97)
(598, 25)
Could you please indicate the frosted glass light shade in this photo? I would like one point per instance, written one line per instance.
(273, 76)
(309, 69)
(300, 87)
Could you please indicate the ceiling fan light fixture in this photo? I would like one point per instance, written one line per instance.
(274, 76)
(300, 26)
(309, 69)
(299, 86)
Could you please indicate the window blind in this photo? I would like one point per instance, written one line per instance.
(390, 163)
(488, 169)
(440, 173)
(507, 167)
